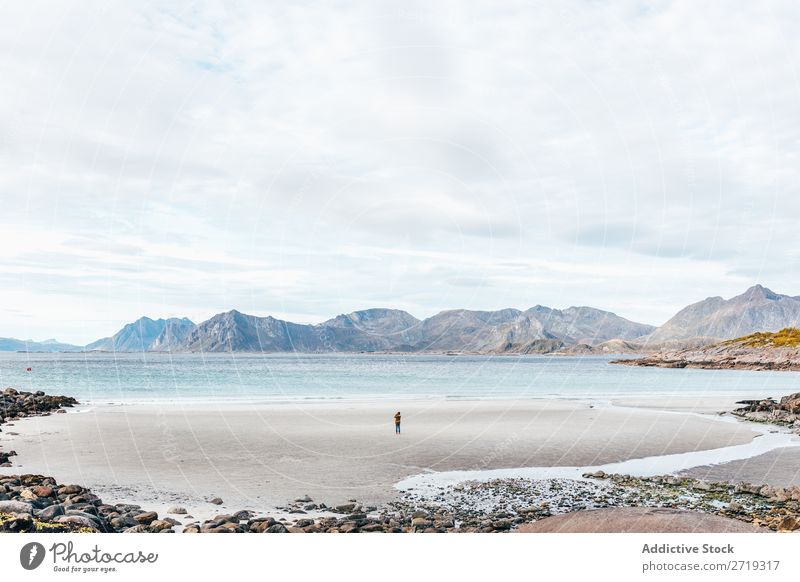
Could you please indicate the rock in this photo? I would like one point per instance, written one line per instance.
(791, 403)
(51, 512)
(420, 522)
(122, 522)
(261, 526)
(28, 494)
(789, 523)
(78, 520)
(177, 510)
(345, 508)
(277, 528)
(19, 524)
(304, 499)
(216, 501)
(43, 491)
(159, 524)
(304, 522)
(70, 489)
(146, 518)
(15, 507)
(141, 528)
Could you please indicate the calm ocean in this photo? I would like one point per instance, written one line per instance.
(101, 378)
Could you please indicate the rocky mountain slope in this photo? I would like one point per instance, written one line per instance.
(144, 334)
(757, 309)
(537, 330)
(759, 351)
(540, 329)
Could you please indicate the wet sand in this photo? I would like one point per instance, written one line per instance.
(639, 520)
(257, 455)
(779, 468)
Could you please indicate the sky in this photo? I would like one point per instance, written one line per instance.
(304, 159)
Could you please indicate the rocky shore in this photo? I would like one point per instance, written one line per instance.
(37, 503)
(15, 405)
(761, 351)
(785, 412)
(34, 503)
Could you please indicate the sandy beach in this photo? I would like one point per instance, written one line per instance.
(257, 455)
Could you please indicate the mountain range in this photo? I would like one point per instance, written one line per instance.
(536, 330)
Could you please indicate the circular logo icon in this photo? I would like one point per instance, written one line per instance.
(31, 555)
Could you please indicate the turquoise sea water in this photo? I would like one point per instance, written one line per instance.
(101, 378)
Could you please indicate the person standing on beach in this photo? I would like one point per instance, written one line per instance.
(397, 423)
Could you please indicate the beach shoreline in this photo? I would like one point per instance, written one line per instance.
(265, 457)
(268, 453)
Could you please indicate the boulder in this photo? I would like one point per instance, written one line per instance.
(791, 403)
(70, 490)
(146, 518)
(43, 491)
(159, 524)
(15, 507)
(20, 523)
(50, 513)
(78, 520)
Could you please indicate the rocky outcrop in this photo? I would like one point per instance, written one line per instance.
(15, 405)
(757, 309)
(785, 412)
(38, 504)
(740, 353)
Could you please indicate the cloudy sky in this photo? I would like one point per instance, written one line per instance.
(304, 159)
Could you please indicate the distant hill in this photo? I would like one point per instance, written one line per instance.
(538, 330)
(757, 309)
(144, 334)
(759, 351)
(8, 344)
(369, 330)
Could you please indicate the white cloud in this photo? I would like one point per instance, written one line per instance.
(185, 160)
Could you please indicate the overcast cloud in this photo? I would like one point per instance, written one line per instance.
(304, 159)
